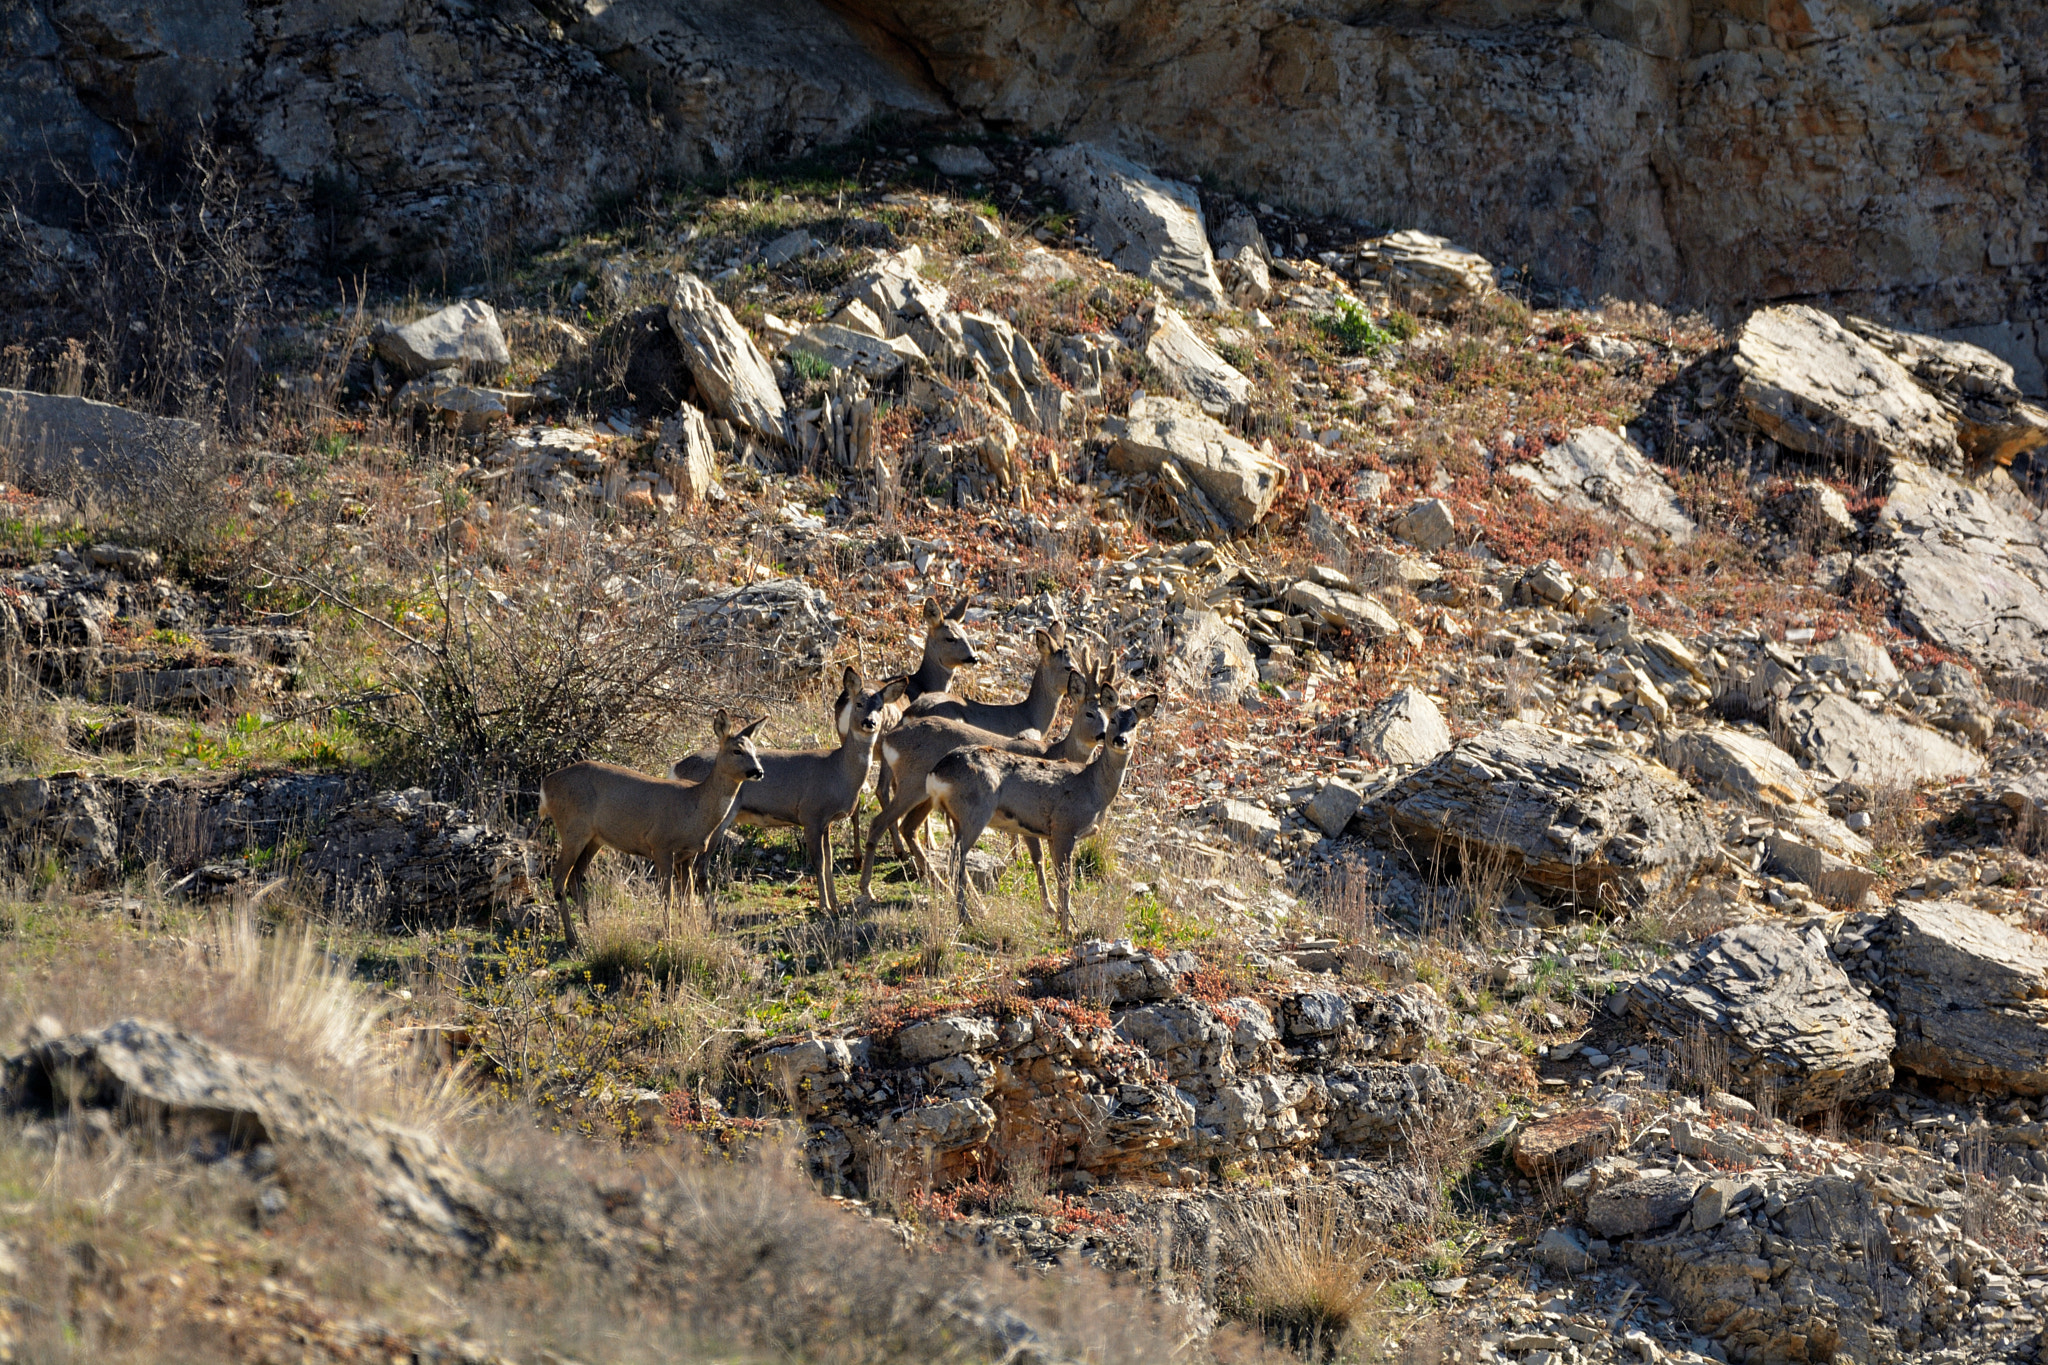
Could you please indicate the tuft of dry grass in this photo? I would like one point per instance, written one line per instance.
(1302, 1270)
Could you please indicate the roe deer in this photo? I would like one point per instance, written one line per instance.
(601, 805)
(1036, 797)
(946, 648)
(912, 749)
(808, 789)
(1011, 719)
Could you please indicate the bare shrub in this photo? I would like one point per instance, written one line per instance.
(1300, 1272)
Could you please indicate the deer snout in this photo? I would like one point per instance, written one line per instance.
(754, 773)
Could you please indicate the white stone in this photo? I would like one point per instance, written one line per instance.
(1240, 479)
(463, 336)
(1174, 349)
(1140, 222)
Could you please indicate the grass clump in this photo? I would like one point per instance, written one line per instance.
(1351, 331)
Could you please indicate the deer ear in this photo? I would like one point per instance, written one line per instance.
(748, 733)
(849, 681)
(721, 724)
(1146, 705)
(893, 690)
(931, 609)
(1043, 641)
(1077, 683)
(959, 610)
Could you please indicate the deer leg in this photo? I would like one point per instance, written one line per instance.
(665, 866)
(1038, 866)
(569, 864)
(1063, 869)
(818, 847)
(892, 811)
(885, 792)
(966, 832)
(914, 825)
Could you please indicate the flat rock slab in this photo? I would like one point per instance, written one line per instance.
(1967, 564)
(1812, 385)
(1969, 997)
(1559, 1146)
(1634, 1207)
(463, 336)
(1141, 223)
(48, 436)
(1427, 273)
(1238, 478)
(733, 376)
(1847, 743)
(1597, 470)
(1558, 811)
(1788, 1018)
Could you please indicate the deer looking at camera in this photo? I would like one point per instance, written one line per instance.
(809, 789)
(601, 805)
(1039, 798)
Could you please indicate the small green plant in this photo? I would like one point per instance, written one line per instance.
(1402, 325)
(814, 368)
(1351, 331)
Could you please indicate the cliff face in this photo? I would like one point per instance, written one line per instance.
(1877, 155)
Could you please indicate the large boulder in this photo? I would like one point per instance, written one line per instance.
(1212, 659)
(1215, 385)
(1968, 994)
(1812, 385)
(1558, 811)
(463, 336)
(732, 376)
(1140, 222)
(1742, 765)
(1790, 1022)
(1848, 743)
(48, 438)
(1598, 470)
(1994, 423)
(1405, 729)
(1239, 480)
(1968, 565)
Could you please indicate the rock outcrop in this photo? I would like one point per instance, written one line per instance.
(1557, 811)
(732, 376)
(1814, 386)
(1788, 1020)
(463, 336)
(1140, 222)
(48, 439)
(1598, 469)
(1236, 480)
(1848, 743)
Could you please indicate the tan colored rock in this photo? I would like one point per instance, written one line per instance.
(1343, 610)
(1426, 273)
(1812, 385)
(1237, 477)
(731, 374)
(686, 456)
(1558, 1146)
(845, 349)
(1742, 765)
(1405, 729)
(1994, 424)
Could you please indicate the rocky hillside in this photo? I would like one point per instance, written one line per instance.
(1573, 890)
(1878, 159)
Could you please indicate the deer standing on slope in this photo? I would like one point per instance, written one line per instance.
(601, 805)
(809, 789)
(1039, 798)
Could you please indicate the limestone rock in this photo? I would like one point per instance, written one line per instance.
(463, 336)
(1244, 822)
(1240, 480)
(731, 374)
(1856, 657)
(1558, 811)
(1993, 422)
(1789, 1018)
(1331, 808)
(194, 1092)
(1833, 878)
(962, 163)
(1812, 385)
(950, 1036)
(1427, 525)
(1968, 993)
(896, 292)
(1405, 729)
(1426, 273)
(1211, 382)
(1558, 1146)
(1141, 223)
(1840, 738)
(48, 439)
(461, 407)
(1342, 610)
(1563, 1251)
(845, 349)
(1970, 574)
(1816, 515)
(1635, 1207)
(1742, 765)
(1212, 658)
(1598, 469)
(1120, 973)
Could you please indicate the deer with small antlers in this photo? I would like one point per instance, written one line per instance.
(601, 805)
(1039, 798)
(809, 789)
(912, 749)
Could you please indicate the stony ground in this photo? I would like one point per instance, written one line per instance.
(1576, 901)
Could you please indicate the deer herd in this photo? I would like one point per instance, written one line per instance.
(982, 765)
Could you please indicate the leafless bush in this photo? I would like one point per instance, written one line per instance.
(1301, 1272)
(1700, 1062)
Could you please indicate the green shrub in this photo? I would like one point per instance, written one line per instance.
(1351, 331)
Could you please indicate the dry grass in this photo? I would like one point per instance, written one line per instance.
(1301, 1272)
